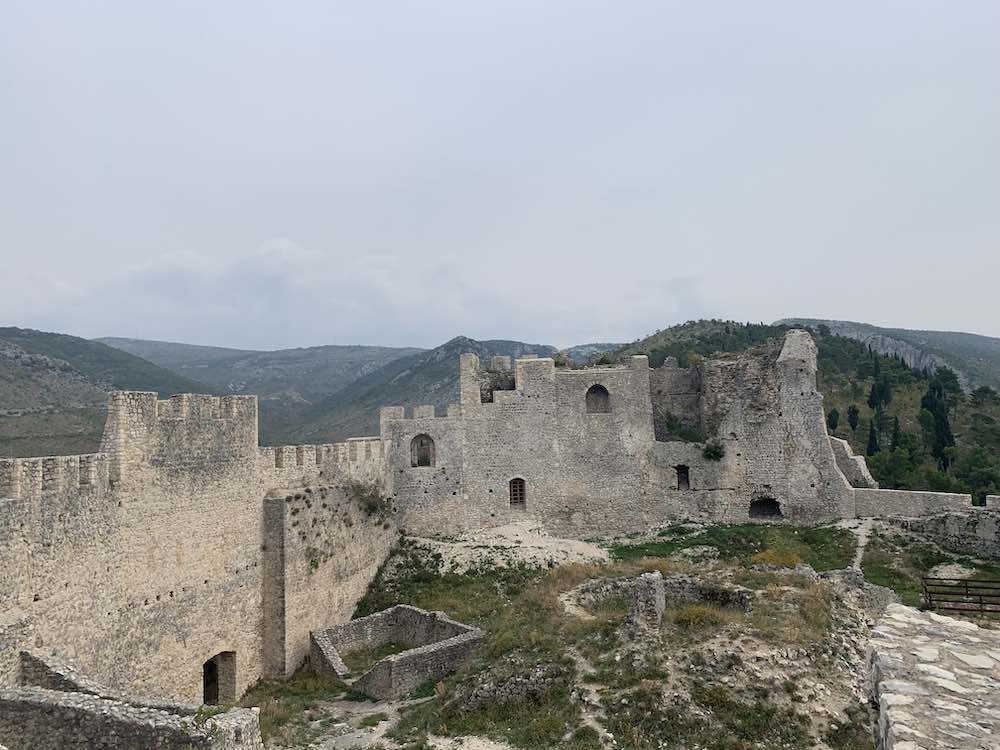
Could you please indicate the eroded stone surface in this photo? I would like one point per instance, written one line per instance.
(936, 681)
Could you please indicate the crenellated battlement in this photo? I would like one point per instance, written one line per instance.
(48, 475)
(198, 406)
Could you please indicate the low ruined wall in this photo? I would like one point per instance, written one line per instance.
(880, 503)
(974, 532)
(399, 674)
(438, 646)
(39, 719)
(322, 548)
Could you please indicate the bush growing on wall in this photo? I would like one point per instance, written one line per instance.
(714, 451)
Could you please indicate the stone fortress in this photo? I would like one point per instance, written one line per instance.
(184, 561)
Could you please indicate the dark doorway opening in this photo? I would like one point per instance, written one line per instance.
(765, 507)
(218, 679)
(518, 494)
(598, 400)
(683, 477)
(422, 451)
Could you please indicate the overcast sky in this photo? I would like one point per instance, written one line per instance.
(286, 174)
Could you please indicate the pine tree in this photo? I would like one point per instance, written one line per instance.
(833, 419)
(895, 433)
(872, 448)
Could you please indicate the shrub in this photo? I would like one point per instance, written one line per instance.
(714, 450)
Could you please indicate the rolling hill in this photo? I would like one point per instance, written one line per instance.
(289, 383)
(53, 390)
(975, 359)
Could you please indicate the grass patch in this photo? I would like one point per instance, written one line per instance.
(716, 719)
(896, 563)
(822, 547)
(793, 616)
(373, 720)
(696, 617)
(286, 706)
(853, 734)
(363, 659)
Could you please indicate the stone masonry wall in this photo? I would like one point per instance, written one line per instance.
(138, 564)
(40, 719)
(973, 532)
(323, 549)
(877, 502)
(437, 645)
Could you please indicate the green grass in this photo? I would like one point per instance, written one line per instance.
(822, 547)
(363, 659)
(717, 718)
(898, 564)
(287, 705)
(373, 720)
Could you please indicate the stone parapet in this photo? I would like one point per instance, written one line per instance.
(934, 681)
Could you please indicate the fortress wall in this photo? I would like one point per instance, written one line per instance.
(908, 503)
(430, 499)
(603, 459)
(357, 459)
(675, 391)
(138, 586)
(323, 548)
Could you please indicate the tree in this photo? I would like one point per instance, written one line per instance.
(984, 396)
(872, 448)
(894, 442)
(936, 401)
(833, 419)
(853, 417)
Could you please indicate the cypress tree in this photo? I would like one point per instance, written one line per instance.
(872, 448)
(853, 417)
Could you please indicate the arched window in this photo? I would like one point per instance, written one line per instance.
(422, 451)
(518, 494)
(598, 400)
(765, 507)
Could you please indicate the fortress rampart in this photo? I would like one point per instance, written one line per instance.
(183, 548)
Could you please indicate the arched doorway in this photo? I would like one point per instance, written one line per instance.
(598, 400)
(422, 451)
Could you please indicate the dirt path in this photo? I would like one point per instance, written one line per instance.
(591, 704)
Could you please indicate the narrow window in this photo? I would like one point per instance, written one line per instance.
(518, 494)
(683, 477)
(765, 507)
(598, 400)
(422, 451)
(218, 679)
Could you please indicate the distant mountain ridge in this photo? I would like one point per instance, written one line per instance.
(429, 377)
(289, 383)
(53, 390)
(974, 358)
